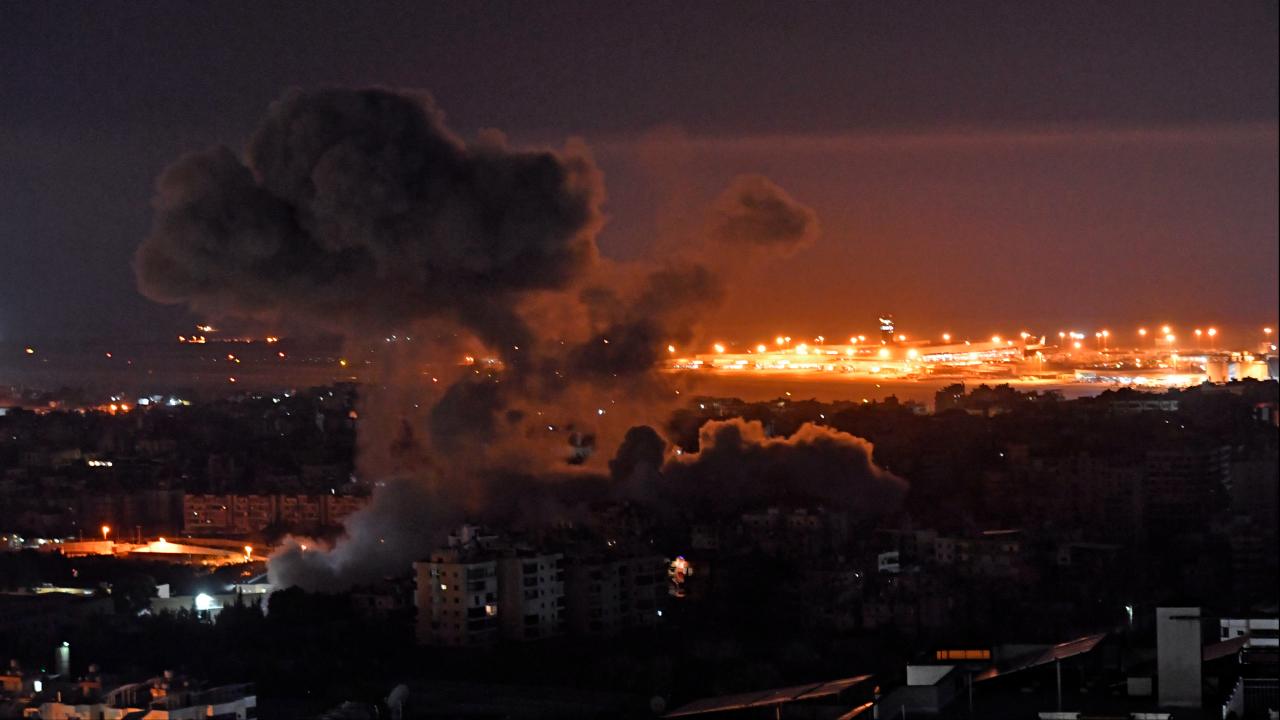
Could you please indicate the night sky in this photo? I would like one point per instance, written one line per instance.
(975, 167)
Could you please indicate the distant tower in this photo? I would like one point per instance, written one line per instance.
(886, 328)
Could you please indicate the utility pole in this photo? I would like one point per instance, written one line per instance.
(969, 675)
(1057, 666)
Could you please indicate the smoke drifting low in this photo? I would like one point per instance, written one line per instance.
(404, 516)
(738, 465)
(359, 211)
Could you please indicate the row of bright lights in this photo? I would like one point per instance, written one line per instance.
(1102, 335)
(248, 549)
(780, 341)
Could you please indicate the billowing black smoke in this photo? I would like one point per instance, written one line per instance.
(737, 466)
(639, 456)
(754, 213)
(359, 211)
(632, 333)
(358, 208)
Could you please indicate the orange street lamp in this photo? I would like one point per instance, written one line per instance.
(106, 530)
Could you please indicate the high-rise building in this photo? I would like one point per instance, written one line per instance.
(531, 595)
(606, 595)
(457, 597)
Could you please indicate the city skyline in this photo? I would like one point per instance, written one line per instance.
(574, 360)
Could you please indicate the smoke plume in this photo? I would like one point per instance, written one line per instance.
(360, 212)
(756, 214)
(360, 209)
(737, 465)
(404, 517)
(639, 456)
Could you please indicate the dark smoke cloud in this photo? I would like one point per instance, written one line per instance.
(738, 466)
(359, 208)
(358, 211)
(665, 309)
(754, 213)
(565, 385)
(640, 454)
(680, 295)
(467, 412)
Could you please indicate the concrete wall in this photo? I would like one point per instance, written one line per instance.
(1178, 656)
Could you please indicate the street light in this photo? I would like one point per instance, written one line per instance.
(106, 530)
